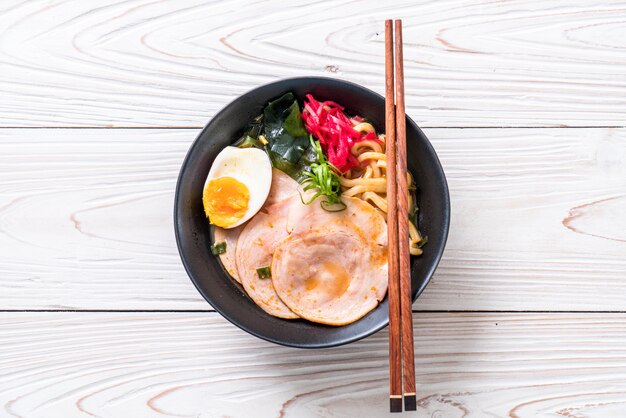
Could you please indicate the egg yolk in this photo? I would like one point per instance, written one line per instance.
(225, 201)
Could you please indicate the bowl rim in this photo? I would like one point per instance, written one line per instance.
(352, 338)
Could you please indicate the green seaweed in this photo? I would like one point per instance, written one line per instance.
(283, 128)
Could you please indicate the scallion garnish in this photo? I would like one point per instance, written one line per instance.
(422, 242)
(325, 178)
(218, 248)
(264, 272)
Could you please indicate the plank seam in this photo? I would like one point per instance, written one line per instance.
(213, 311)
(421, 126)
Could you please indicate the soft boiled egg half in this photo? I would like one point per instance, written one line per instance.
(237, 186)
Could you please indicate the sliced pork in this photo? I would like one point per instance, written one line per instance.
(255, 248)
(230, 237)
(282, 187)
(359, 216)
(330, 276)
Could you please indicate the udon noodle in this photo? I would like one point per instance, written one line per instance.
(369, 182)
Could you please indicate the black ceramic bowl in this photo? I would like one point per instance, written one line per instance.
(193, 233)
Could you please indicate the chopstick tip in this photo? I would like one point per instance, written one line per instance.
(395, 404)
(410, 403)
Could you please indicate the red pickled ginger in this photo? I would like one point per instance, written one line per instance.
(327, 122)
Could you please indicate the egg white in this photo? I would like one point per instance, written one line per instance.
(250, 166)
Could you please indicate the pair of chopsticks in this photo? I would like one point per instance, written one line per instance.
(401, 357)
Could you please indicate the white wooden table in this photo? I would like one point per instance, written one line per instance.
(525, 102)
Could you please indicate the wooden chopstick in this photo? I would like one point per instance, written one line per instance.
(406, 314)
(395, 360)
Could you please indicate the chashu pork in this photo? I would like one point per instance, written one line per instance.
(331, 277)
(282, 188)
(333, 267)
(230, 237)
(255, 247)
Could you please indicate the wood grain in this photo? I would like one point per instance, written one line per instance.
(537, 220)
(538, 215)
(404, 258)
(175, 63)
(393, 273)
(198, 365)
(87, 216)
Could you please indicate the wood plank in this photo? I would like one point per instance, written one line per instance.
(468, 63)
(468, 365)
(87, 220)
(537, 220)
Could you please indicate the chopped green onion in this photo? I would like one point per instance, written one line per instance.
(218, 248)
(250, 138)
(324, 177)
(249, 142)
(422, 242)
(264, 272)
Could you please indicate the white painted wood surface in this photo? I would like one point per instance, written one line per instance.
(538, 210)
(113, 365)
(175, 63)
(537, 220)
